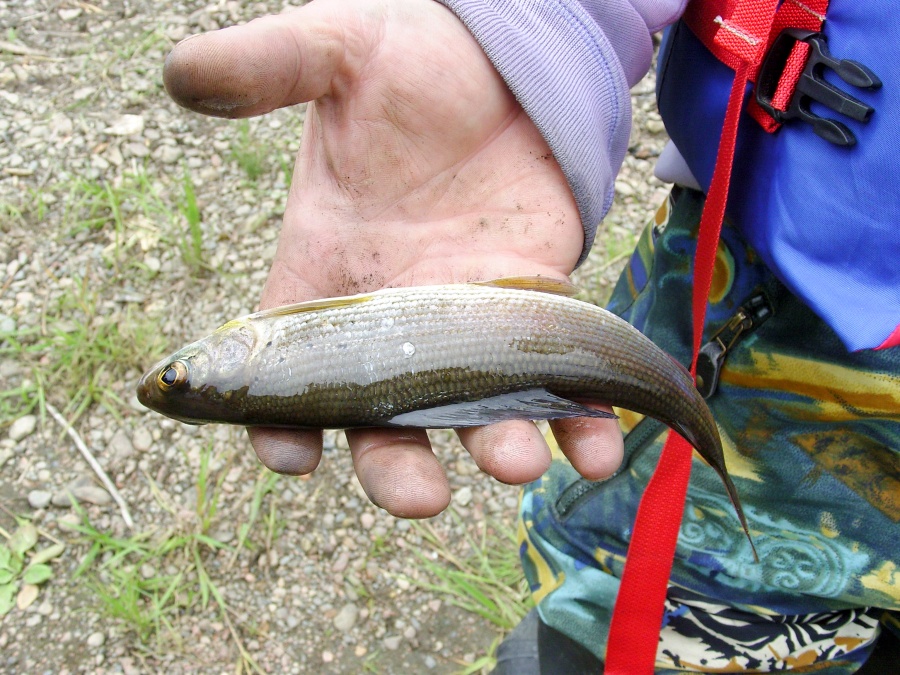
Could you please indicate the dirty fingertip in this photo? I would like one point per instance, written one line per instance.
(594, 446)
(290, 452)
(512, 452)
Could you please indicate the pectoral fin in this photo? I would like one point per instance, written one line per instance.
(534, 404)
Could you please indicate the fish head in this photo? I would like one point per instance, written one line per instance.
(204, 381)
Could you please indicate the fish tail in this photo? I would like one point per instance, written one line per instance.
(736, 502)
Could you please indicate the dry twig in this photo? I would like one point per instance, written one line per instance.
(95, 465)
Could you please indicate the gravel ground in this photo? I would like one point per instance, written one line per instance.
(101, 178)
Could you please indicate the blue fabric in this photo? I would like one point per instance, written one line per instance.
(825, 219)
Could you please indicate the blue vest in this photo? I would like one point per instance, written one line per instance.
(824, 218)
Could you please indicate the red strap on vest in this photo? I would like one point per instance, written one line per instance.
(637, 617)
(809, 15)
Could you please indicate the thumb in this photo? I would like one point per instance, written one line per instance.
(248, 70)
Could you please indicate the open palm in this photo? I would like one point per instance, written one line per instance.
(416, 166)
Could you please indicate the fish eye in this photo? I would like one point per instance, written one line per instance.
(173, 375)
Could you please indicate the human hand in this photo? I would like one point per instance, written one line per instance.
(416, 166)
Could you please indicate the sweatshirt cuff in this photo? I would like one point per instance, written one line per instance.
(570, 80)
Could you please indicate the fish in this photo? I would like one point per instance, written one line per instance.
(441, 356)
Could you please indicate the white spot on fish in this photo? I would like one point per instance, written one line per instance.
(408, 349)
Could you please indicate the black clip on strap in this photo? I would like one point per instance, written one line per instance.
(812, 87)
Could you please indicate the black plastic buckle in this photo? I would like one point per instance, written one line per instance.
(711, 358)
(812, 87)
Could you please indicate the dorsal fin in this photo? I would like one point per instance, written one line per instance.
(312, 306)
(535, 283)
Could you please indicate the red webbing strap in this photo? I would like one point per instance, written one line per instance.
(809, 15)
(637, 616)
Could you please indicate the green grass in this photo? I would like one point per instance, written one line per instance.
(487, 580)
(80, 353)
(249, 154)
(192, 245)
(185, 561)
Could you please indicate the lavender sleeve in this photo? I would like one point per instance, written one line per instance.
(570, 64)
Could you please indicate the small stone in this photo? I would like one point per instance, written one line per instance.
(341, 563)
(91, 494)
(168, 154)
(148, 571)
(409, 633)
(126, 125)
(69, 14)
(27, 595)
(62, 499)
(120, 447)
(141, 439)
(655, 126)
(624, 188)
(7, 324)
(360, 651)
(430, 662)
(68, 521)
(96, 639)
(39, 499)
(392, 643)
(367, 520)
(327, 656)
(137, 149)
(463, 496)
(346, 618)
(33, 620)
(153, 264)
(22, 427)
(45, 609)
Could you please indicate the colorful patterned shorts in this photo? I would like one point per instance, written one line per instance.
(812, 440)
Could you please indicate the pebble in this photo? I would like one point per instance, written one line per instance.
(126, 125)
(168, 154)
(91, 494)
(392, 643)
(346, 618)
(430, 662)
(655, 126)
(141, 439)
(327, 656)
(120, 446)
(367, 520)
(96, 639)
(463, 496)
(39, 499)
(22, 427)
(27, 595)
(341, 563)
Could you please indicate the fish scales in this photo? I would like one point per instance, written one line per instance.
(401, 350)
(453, 355)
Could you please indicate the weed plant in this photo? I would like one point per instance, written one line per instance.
(152, 580)
(487, 581)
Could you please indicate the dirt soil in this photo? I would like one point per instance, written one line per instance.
(130, 227)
